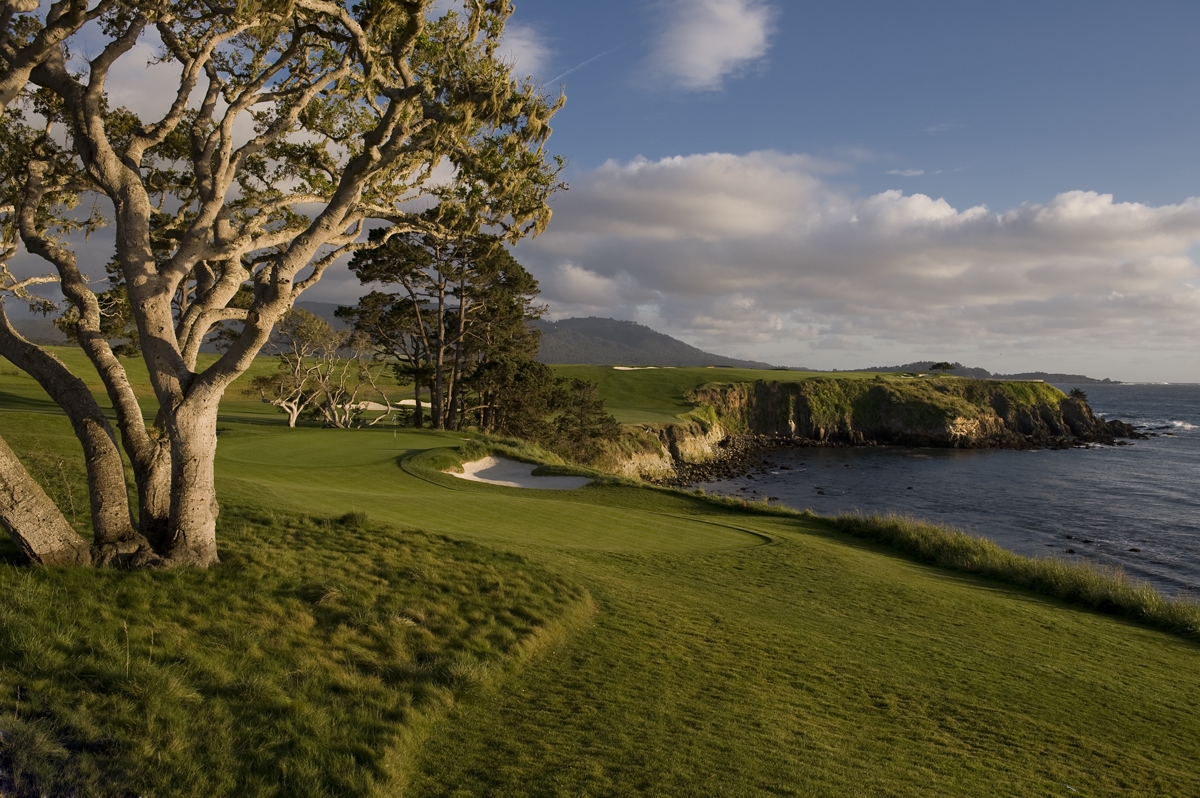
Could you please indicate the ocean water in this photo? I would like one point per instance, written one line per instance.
(1135, 506)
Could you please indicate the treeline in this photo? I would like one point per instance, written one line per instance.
(449, 317)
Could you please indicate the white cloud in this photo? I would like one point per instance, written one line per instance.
(705, 41)
(762, 250)
(906, 172)
(581, 288)
(525, 48)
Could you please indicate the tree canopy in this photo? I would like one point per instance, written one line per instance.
(461, 301)
(293, 128)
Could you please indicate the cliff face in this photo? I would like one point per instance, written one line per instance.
(735, 419)
(958, 413)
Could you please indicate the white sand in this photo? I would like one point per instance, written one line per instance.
(381, 406)
(633, 368)
(511, 474)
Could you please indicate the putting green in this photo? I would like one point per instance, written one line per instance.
(332, 471)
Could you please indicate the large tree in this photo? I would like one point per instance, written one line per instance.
(293, 127)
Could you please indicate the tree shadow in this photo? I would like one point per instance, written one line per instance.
(9, 553)
(27, 404)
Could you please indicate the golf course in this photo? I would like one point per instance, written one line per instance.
(378, 626)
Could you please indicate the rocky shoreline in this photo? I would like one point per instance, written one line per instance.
(735, 425)
(741, 455)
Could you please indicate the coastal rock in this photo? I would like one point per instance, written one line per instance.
(735, 422)
(955, 413)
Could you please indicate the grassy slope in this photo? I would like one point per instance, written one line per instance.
(716, 665)
(305, 665)
(656, 395)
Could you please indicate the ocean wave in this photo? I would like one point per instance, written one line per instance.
(1160, 424)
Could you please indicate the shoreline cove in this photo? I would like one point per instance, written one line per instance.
(1135, 507)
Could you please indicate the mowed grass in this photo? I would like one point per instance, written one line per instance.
(809, 667)
(729, 652)
(656, 396)
(741, 654)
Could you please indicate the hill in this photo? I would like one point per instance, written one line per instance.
(983, 374)
(39, 330)
(609, 341)
(324, 310)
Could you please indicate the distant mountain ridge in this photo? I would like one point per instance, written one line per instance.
(983, 374)
(39, 330)
(597, 341)
(601, 341)
(324, 310)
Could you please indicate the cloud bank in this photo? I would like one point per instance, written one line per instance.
(763, 254)
(705, 41)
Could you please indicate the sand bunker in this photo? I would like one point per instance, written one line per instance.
(511, 474)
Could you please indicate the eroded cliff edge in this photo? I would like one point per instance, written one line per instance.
(945, 412)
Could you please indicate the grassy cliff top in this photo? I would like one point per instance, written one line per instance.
(661, 396)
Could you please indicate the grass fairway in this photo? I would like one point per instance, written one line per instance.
(729, 653)
(719, 664)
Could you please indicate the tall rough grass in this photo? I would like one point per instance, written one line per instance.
(1107, 590)
(304, 665)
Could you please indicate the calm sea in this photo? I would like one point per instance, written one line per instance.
(1135, 506)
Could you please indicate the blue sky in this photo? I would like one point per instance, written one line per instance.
(858, 183)
(835, 185)
(1010, 102)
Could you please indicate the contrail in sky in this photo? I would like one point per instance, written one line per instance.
(585, 63)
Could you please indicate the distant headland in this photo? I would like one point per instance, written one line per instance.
(598, 341)
(960, 370)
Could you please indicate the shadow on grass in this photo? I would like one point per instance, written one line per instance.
(19, 403)
(9, 553)
(298, 666)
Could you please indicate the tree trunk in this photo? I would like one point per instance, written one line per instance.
(437, 396)
(149, 456)
(456, 419)
(454, 414)
(437, 399)
(418, 410)
(192, 430)
(146, 454)
(33, 521)
(153, 477)
(111, 519)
